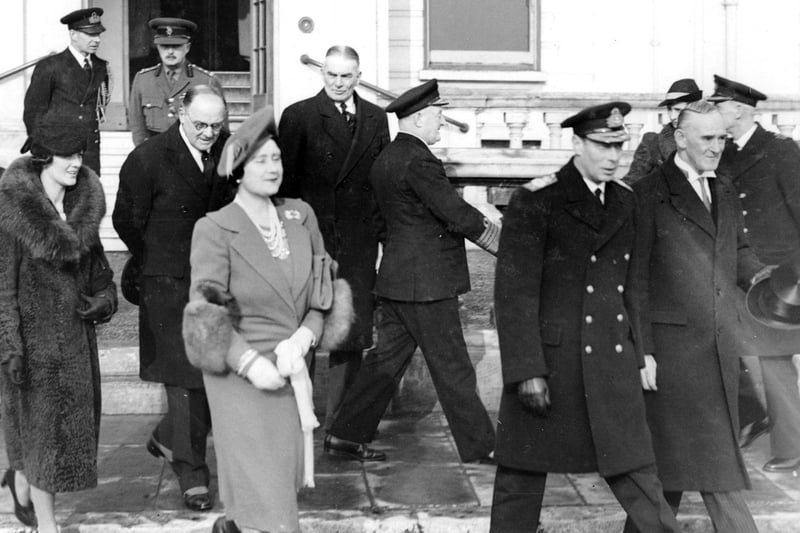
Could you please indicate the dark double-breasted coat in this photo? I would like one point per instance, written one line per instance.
(162, 193)
(653, 150)
(327, 166)
(565, 305)
(693, 263)
(61, 88)
(155, 100)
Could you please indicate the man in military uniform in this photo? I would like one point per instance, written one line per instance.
(567, 321)
(765, 170)
(655, 148)
(422, 272)
(157, 91)
(73, 83)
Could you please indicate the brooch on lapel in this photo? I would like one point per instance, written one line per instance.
(292, 214)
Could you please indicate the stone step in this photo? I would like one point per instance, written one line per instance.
(233, 79)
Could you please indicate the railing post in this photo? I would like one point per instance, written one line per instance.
(516, 121)
(635, 131)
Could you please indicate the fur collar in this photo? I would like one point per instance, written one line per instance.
(27, 214)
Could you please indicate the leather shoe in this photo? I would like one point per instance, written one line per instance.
(780, 465)
(197, 499)
(223, 525)
(351, 450)
(158, 450)
(24, 513)
(750, 433)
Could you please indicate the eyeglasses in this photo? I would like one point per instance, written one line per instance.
(216, 127)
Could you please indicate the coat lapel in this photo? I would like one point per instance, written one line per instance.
(618, 208)
(333, 124)
(184, 164)
(366, 128)
(251, 247)
(685, 200)
(579, 200)
(301, 254)
(740, 162)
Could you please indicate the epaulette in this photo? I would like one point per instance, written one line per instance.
(540, 182)
(148, 69)
(623, 184)
(204, 71)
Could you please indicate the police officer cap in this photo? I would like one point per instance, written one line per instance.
(602, 123)
(725, 89)
(172, 30)
(685, 90)
(775, 301)
(64, 136)
(416, 98)
(247, 138)
(85, 20)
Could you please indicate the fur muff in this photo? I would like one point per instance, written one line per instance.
(208, 325)
(340, 319)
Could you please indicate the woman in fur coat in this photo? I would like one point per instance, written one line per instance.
(261, 282)
(55, 285)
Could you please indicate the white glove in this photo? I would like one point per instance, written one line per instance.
(291, 352)
(264, 375)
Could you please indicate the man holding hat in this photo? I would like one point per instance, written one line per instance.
(765, 170)
(655, 148)
(421, 274)
(73, 83)
(693, 260)
(570, 343)
(157, 91)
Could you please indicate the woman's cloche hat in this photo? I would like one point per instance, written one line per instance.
(246, 140)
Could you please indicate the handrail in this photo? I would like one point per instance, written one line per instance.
(463, 127)
(23, 66)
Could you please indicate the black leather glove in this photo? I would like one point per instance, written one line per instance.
(535, 395)
(98, 309)
(15, 369)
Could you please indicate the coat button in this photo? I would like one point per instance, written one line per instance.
(80, 117)
(744, 212)
(620, 318)
(618, 348)
(588, 350)
(184, 209)
(589, 289)
(627, 257)
(170, 100)
(593, 258)
(589, 319)
(620, 289)
(170, 115)
(742, 195)
(745, 230)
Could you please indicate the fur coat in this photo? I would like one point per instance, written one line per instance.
(51, 421)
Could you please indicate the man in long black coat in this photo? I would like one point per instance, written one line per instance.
(73, 83)
(422, 272)
(694, 258)
(765, 170)
(565, 295)
(327, 155)
(165, 186)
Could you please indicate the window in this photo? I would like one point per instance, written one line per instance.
(483, 33)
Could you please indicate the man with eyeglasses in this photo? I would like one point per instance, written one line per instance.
(165, 186)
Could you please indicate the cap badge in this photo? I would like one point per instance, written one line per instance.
(94, 18)
(615, 119)
(168, 31)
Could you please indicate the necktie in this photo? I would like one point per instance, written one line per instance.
(171, 74)
(598, 193)
(348, 117)
(87, 66)
(208, 168)
(701, 180)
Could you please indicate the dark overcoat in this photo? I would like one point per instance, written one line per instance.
(52, 421)
(426, 221)
(693, 264)
(61, 88)
(154, 101)
(766, 176)
(327, 166)
(162, 193)
(564, 299)
(653, 150)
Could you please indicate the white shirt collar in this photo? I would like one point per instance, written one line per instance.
(196, 154)
(691, 173)
(350, 103)
(593, 185)
(742, 140)
(79, 57)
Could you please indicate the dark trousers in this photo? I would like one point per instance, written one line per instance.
(518, 494)
(728, 512)
(343, 368)
(783, 405)
(184, 430)
(436, 328)
(751, 408)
